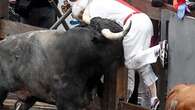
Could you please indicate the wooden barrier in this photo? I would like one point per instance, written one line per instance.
(9, 105)
(128, 106)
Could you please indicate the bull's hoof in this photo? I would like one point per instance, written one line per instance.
(18, 105)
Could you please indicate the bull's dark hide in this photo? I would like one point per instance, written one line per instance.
(58, 67)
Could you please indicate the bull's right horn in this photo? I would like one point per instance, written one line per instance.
(110, 35)
(85, 17)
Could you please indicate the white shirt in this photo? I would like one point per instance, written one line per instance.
(110, 9)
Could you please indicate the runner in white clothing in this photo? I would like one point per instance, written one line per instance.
(138, 55)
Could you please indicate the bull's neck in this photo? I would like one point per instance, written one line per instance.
(6, 52)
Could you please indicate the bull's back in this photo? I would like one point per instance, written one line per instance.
(69, 46)
(181, 97)
(25, 62)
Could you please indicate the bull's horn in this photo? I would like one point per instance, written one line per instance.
(86, 18)
(110, 35)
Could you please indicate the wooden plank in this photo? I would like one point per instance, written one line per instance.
(128, 106)
(121, 84)
(109, 101)
(115, 85)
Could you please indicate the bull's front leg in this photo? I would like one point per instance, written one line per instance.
(66, 101)
(69, 97)
(3, 95)
(63, 105)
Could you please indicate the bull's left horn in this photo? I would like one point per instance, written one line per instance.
(110, 35)
(86, 18)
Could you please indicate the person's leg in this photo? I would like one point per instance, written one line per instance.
(136, 44)
(144, 57)
(149, 56)
(143, 94)
(131, 83)
(150, 78)
(153, 90)
(154, 101)
(136, 49)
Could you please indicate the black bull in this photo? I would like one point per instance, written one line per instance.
(58, 67)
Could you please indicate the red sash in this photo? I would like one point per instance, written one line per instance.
(128, 5)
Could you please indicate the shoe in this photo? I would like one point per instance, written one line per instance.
(155, 104)
(163, 53)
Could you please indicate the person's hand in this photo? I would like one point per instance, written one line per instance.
(65, 7)
(12, 1)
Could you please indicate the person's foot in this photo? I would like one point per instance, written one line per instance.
(155, 103)
(163, 53)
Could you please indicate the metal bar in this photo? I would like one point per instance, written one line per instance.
(62, 18)
(53, 4)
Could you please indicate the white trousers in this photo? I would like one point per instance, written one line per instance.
(138, 55)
